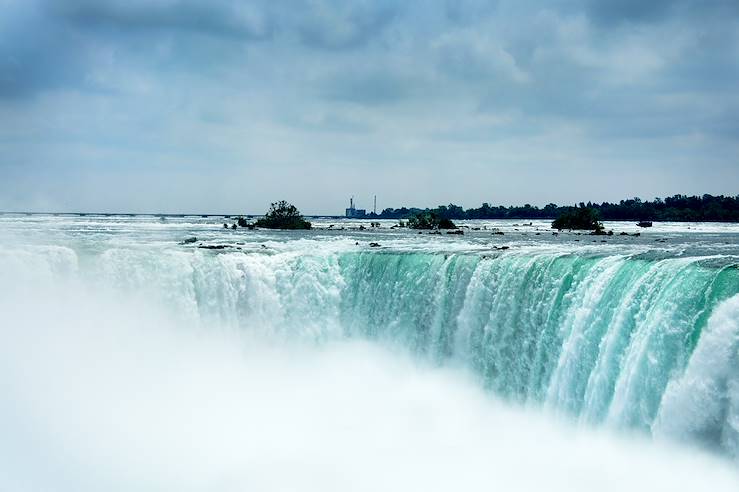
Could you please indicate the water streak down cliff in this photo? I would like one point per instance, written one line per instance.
(622, 340)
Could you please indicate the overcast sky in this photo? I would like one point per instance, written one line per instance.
(225, 105)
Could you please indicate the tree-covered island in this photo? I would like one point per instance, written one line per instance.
(283, 215)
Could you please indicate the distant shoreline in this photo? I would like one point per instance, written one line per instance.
(333, 217)
(676, 208)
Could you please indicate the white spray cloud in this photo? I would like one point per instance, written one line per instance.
(102, 393)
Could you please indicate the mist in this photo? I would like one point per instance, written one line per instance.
(105, 392)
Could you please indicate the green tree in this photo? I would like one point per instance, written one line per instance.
(430, 220)
(584, 218)
(283, 215)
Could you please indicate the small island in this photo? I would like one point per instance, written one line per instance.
(429, 220)
(579, 218)
(283, 215)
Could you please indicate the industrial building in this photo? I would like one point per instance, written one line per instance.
(355, 213)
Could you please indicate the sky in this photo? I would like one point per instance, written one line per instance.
(224, 106)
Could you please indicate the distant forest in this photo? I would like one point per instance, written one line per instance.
(707, 208)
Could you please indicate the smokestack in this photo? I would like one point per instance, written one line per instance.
(374, 209)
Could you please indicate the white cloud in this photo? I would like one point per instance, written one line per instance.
(178, 92)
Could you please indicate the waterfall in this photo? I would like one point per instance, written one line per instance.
(634, 341)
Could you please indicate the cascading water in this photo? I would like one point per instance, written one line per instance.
(194, 364)
(607, 339)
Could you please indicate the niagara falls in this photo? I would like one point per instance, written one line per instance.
(369, 245)
(135, 360)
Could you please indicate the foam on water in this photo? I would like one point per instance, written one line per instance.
(309, 361)
(106, 393)
(703, 403)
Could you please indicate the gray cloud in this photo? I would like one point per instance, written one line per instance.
(371, 88)
(615, 11)
(344, 25)
(218, 18)
(637, 11)
(499, 90)
(35, 52)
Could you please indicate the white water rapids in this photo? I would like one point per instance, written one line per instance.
(136, 364)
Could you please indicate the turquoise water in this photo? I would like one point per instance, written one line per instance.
(632, 333)
(599, 338)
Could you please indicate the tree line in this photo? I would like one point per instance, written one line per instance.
(708, 208)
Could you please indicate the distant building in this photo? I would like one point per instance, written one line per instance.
(355, 213)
